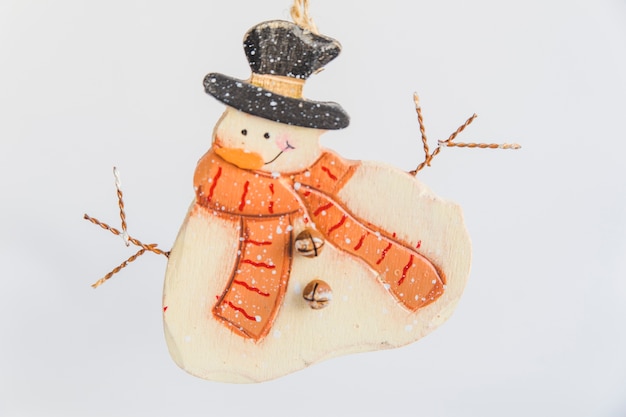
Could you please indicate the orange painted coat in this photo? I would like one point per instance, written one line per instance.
(263, 206)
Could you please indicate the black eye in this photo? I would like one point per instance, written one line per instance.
(266, 135)
(244, 132)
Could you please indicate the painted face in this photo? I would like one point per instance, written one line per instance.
(255, 143)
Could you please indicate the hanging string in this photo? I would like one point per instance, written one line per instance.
(152, 247)
(449, 142)
(300, 15)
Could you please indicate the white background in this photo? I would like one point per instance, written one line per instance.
(540, 330)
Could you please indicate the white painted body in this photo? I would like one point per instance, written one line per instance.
(362, 316)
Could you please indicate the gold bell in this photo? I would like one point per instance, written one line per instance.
(317, 294)
(309, 243)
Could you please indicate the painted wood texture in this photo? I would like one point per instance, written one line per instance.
(281, 56)
(385, 261)
(233, 302)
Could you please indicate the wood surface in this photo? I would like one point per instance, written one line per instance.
(366, 312)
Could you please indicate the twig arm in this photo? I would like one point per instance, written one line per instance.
(152, 247)
(428, 157)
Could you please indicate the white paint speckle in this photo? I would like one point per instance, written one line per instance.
(277, 334)
(408, 327)
(187, 339)
(257, 318)
(296, 186)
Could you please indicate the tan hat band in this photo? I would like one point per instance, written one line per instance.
(285, 86)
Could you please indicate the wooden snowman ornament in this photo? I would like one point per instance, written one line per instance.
(290, 254)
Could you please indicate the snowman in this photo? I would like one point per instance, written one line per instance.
(290, 254)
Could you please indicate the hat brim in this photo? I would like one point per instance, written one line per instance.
(263, 103)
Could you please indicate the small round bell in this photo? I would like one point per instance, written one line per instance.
(317, 294)
(309, 243)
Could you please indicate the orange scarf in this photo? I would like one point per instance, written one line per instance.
(263, 205)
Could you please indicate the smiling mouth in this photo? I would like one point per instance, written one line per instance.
(280, 153)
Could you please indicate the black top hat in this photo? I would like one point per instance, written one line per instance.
(281, 55)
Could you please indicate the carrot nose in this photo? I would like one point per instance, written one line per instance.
(240, 157)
